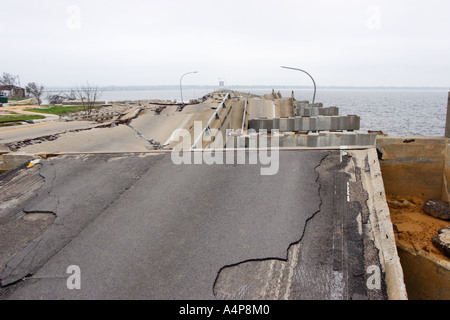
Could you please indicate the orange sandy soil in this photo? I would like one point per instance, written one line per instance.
(414, 228)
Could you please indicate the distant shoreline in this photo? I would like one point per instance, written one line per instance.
(240, 87)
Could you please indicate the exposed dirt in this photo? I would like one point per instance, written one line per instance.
(414, 228)
(17, 108)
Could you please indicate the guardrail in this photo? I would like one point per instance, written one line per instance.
(216, 115)
(94, 117)
(243, 116)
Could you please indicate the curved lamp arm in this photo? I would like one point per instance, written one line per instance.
(181, 89)
(314, 96)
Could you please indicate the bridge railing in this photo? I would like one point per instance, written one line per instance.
(215, 115)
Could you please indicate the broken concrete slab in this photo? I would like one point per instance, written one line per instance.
(111, 139)
(159, 127)
(437, 208)
(442, 241)
(10, 135)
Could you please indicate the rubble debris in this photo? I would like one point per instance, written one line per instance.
(437, 208)
(159, 109)
(442, 241)
(414, 228)
(14, 146)
(401, 203)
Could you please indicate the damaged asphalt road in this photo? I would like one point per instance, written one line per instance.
(140, 227)
(76, 189)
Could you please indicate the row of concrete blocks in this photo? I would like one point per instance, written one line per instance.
(298, 104)
(311, 139)
(305, 124)
(316, 111)
(96, 117)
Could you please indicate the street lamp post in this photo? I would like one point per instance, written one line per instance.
(314, 96)
(181, 88)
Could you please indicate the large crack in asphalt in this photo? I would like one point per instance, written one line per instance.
(15, 146)
(152, 144)
(330, 259)
(270, 278)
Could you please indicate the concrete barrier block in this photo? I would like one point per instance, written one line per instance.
(313, 124)
(362, 139)
(282, 124)
(306, 124)
(334, 123)
(343, 123)
(265, 124)
(287, 140)
(323, 123)
(348, 138)
(354, 122)
(297, 123)
(313, 140)
(357, 122)
(335, 138)
(302, 111)
(275, 123)
(286, 124)
(334, 111)
(301, 140)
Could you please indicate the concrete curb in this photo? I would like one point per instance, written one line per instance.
(383, 232)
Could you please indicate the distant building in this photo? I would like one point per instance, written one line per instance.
(14, 92)
(221, 84)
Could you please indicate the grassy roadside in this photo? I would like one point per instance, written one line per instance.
(6, 118)
(58, 110)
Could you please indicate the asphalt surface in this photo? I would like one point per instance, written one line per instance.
(140, 227)
(31, 131)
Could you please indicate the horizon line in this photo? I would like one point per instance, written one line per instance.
(255, 86)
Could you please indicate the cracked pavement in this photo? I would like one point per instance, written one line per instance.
(147, 130)
(75, 194)
(141, 227)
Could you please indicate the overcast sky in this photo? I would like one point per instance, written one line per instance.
(153, 42)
